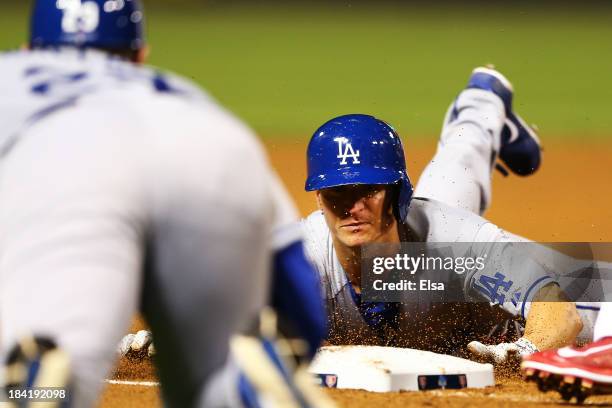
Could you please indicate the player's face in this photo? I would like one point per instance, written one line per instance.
(357, 214)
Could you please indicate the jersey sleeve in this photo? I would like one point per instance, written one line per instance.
(513, 274)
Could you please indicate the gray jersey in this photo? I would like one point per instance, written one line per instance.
(429, 221)
(458, 176)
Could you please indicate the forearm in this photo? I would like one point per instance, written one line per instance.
(552, 321)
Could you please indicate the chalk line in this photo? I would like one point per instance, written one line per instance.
(140, 383)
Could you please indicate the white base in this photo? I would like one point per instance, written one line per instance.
(384, 369)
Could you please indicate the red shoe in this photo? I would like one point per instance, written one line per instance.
(574, 372)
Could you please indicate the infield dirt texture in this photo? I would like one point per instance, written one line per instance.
(287, 68)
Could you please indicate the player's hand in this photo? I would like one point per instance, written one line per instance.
(137, 346)
(503, 353)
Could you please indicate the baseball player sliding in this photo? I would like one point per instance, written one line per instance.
(356, 165)
(117, 187)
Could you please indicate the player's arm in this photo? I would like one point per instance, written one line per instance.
(553, 320)
(550, 324)
(295, 291)
(523, 286)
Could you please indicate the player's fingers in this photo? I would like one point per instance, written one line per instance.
(151, 350)
(125, 344)
(514, 356)
(141, 340)
(480, 352)
(495, 354)
(512, 360)
(477, 348)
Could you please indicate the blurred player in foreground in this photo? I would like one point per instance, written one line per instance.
(120, 182)
(356, 166)
(577, 372)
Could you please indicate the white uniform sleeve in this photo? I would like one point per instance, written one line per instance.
(513, 275)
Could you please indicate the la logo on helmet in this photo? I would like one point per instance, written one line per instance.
(347, 152)
(78, 16)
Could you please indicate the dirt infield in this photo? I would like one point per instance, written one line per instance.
(508, 392)
(567, 200)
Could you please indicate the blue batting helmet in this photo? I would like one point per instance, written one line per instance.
(106, 24)
(358, 149)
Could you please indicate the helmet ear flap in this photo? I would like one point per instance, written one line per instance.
(393, 193)
(404, 197)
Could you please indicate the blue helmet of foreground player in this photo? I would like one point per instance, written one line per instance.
(106, 24)
(358, 149)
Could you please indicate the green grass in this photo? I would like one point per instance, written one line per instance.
(287, 70)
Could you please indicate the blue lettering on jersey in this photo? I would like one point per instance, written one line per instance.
(490, 287)
(44, 87)
(45, 80)
(516, 298)
(68, 87)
